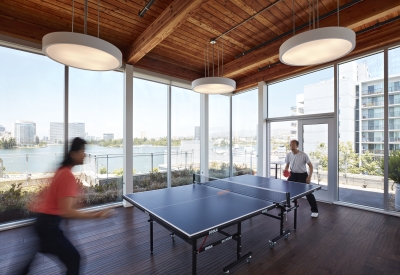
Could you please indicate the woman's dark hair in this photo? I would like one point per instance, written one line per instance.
(77, 144)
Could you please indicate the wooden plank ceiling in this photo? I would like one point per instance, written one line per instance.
(173, 34)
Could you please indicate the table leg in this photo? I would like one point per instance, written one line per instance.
(194, 256)
(239, 241)
(295, 214)
(151, 235)
(276, 170)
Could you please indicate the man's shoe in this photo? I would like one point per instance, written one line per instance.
(314, 215)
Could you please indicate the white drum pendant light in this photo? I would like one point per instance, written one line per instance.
(213, 84)
(81, 51)
(318, 45)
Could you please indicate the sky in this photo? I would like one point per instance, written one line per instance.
(32, 88)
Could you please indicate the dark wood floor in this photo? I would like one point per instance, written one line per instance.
(341, 241)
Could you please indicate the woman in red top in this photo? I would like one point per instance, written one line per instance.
(58, 203)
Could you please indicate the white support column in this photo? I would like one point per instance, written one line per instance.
(230, 138)
(128, 132)
(262, 159)
(386, 129)
(204, 150)
(333, 160)
(66, 108)
(169, 99)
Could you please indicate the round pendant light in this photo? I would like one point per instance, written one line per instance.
(317, 46)
(214, 85)
(81, 51)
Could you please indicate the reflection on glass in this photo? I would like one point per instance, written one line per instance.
(219, 136)
(149, 135)
(361, 126)
(95, 104)
(244, 132)
(31, 92)
(394, 129)
(315, 144)
(303, 95)
(281, 135)
(185, 131)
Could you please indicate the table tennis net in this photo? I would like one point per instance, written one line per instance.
(243, 189)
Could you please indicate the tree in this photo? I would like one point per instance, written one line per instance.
(368, 164)
(321, 154)
(348, 159)
(37, 140)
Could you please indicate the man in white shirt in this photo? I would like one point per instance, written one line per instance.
(297, 161)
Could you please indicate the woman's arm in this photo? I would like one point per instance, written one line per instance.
(67, 211)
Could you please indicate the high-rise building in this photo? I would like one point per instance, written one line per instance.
(2, 129)
(197, 132)
(107, 137)
(143, 135)
(75, 129)
(24, 132)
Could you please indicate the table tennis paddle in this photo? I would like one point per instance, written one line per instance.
(286, 173)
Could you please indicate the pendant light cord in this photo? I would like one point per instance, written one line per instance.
(98, 18)
(294, 19)
(338, 17)
(73, 1)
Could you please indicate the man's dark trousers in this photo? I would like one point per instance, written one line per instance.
(302, 177)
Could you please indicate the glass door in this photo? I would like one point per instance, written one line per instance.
(316, 139)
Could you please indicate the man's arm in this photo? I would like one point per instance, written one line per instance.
(286, 167)
(311, 171)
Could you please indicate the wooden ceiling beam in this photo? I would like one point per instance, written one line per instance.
(366, 42)
(166, 68)
(164, 25)
(360, 12)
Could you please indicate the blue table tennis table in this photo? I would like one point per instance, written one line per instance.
(210, 205)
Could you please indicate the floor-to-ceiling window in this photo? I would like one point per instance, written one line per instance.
(361, 131)
(309, 94)
(31, 98)
(149, 135)
(219, 113)
(244, 132)
(95, 114)
(185, 135)
(394, 128)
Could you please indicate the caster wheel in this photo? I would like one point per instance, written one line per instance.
(248, 260)
(271, 244)
(287, 235)
(226, 272)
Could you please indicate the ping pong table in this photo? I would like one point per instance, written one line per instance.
(211, 205)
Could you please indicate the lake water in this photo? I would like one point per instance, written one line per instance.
(42, 160)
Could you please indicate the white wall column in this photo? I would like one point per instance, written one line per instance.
(386, 129)
(66, 108)
(204, 150)
(128, 131)
(169, 99)
(262, 159)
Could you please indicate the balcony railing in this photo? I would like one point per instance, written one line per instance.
(394, 114)
(374, 139)
(373, 104)
(394, 139)
(377, 115)
(394, 89)
(394, 126)
(372, 127)
(373, 92)
(394, 101)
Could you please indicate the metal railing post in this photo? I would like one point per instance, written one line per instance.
(186, 160)
(97, 166)
(151, 162)
(251, 162)
(107, 168)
